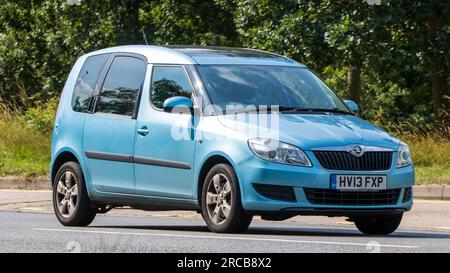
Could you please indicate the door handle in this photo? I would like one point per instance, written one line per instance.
(143, 131)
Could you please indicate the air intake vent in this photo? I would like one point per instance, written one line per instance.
(282, 193)
(342, 160)
(333, 197)
(407, 194)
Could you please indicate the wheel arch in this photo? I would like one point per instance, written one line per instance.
(60, 159)
(211, 161)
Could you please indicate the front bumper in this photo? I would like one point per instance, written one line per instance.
(255, 170)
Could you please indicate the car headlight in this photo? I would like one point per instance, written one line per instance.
(403, 156)
(279, 152)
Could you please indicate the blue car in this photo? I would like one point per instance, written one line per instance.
(228, 132)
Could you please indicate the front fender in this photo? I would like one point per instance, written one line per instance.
(234, 151)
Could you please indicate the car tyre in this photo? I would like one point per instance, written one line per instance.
(381, 225)
(71, 202)
(221, 201)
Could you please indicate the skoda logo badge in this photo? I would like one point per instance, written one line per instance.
(356, 150)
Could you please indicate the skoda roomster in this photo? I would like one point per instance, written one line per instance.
(230, 133)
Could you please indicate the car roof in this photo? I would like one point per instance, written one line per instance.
(201, 55)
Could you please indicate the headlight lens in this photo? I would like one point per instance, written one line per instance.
(403, 156)
(279, 152)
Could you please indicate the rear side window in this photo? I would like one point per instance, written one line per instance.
(122, 85)
(84, 86)
(167, 82)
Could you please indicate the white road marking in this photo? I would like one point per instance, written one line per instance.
(442, 228)
(32, 209)
(22, 191)
(431, 201)
(219, 237)
(345, 223)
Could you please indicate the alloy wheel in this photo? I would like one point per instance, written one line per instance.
(218, 199)
(67, 194)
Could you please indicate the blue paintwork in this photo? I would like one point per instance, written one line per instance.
(150, 136)
(110, 134)
(158, 144)
(352, 105)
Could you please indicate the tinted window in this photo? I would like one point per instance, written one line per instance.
(122, 84)
(297, 87)
(167, 82)
(86, 81)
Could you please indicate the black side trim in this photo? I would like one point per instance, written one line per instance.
(137, 160)
(109, 156)
(162, 163)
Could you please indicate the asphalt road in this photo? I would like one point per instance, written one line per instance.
(27, 224)
(40, 232)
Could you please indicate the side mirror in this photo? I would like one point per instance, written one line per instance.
(352, 105)
(178, 104)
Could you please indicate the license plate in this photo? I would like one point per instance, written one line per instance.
(358, 182)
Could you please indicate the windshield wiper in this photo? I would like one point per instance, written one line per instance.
(313, 110)
(253, 110)
(290, 109)
(257, 109)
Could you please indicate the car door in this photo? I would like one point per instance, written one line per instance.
(164, 142)
(108, 141)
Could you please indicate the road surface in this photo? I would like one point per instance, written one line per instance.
(29, 226)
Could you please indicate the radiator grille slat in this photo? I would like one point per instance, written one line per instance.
(342, 160)
(367, 198)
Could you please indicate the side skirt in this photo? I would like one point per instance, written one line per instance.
(149, 203)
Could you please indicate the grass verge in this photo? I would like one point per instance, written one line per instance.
(23, 151)
(431, 155)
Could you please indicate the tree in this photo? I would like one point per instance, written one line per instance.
(188, 22)
(40, 41)
(422, 30)
(291, 28)
(393, 58)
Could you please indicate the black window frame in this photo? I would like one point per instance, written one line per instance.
(102, 78)
(96, 81)
(193, 95)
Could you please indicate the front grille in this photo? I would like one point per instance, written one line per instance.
(342, 160)
(283, 193)
(367, 198)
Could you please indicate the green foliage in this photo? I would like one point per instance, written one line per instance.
(24, 151)
(188, 22)
(40, 118)
(40, 40)
(401, 49)
(430, 153)
(389, 43)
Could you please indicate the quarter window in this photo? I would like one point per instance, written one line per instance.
(122, 85)
(167, 82)
(87, 78)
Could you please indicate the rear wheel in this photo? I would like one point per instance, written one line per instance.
(70, 199)
(221, 202)
(381, 225)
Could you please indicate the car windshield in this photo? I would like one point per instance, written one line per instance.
(290, 88)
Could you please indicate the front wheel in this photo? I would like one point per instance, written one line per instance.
(381, 225)
(221, 202)
(70, 199)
